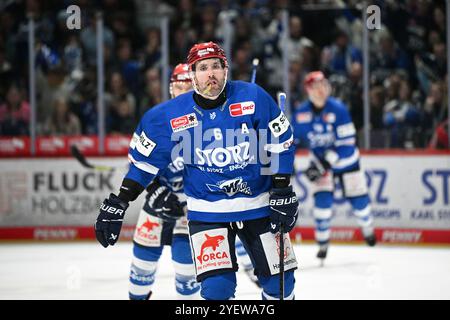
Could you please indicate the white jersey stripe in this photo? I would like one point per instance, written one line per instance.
(228, 205)
(345, 162)
(144, 166)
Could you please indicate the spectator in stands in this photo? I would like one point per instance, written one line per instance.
(355, 94)
(117, 91)
(73, 53)
(377, 96)
(14, 114)
(6, 73)
(208, 26)
(149, 13)
(435, 107)
(62, 121)
(338, 57)
(389, 57)
(122, 119)
(440, 137)
(128, 66)
(84, 100)
(296, 41)
(152, 51)
(431, 66)
(242, 63)
(152, 94)
(401, 116)
(439, 23)
(89, 42)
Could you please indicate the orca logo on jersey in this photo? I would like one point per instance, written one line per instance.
(242, 108)
(230, 187)
(184, 122)
(221, 157)
(213, 243)
(148, 225)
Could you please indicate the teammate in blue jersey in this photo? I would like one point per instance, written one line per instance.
(323, 125)
(155, 228)
(237, 149)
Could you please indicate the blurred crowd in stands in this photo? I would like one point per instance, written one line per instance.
(408, 65)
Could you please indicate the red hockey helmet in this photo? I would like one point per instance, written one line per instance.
(206, 50)
(180, 73)
(313, 77)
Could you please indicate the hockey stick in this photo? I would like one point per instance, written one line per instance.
(76, 153)
(255, 64)
(281, 97)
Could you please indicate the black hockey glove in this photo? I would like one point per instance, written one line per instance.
(163, 203)
(283, 205)
(109, 221)
(313, 172)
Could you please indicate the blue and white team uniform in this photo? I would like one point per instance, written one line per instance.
(227, 178)
(330, 136)
(151, 235)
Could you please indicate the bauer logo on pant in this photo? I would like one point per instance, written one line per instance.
(211, 250)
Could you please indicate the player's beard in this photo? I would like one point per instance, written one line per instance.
(212, 88)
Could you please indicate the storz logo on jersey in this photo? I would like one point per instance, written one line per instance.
(145, 146)
(184, 122)
(221, 157)
(320, 139)
(230, 187)
(242, 108)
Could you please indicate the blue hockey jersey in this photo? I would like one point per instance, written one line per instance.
(229, 152)
(330, 129)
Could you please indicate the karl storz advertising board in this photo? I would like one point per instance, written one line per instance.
(410, 199)
(58, 199)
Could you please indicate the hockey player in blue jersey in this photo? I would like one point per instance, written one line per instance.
(237, 149)
(155, 229)
(323, 125)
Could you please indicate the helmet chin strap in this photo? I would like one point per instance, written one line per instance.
(204, 93)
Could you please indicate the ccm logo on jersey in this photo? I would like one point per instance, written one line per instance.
(242, 108)
(184, 122)
(145, 146)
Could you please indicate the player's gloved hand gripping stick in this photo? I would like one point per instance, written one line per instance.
(283, 204)
(163, 202)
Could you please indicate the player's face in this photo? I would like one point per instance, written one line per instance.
(210, 77)
(180, 87)
(318, 92)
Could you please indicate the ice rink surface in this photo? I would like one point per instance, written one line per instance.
(85, 270)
